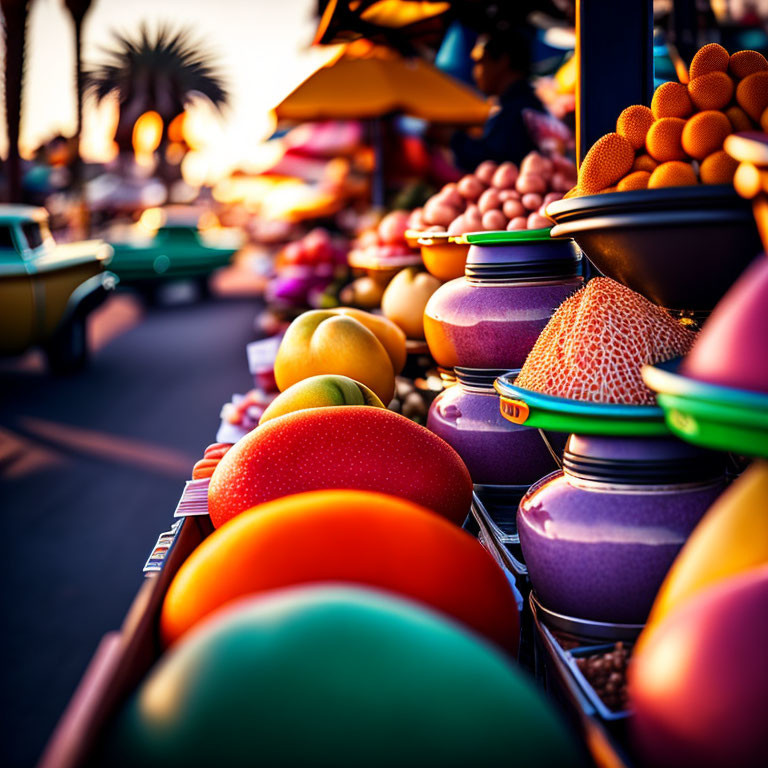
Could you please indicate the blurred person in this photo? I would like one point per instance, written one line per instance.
(501, 70)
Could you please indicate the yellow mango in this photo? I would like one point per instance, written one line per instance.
(325, 341)
(387, 332)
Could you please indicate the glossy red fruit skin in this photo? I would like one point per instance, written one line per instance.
(699, 687)
(356, 447)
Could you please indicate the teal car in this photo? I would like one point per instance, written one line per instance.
(167, 245)
(48, 289)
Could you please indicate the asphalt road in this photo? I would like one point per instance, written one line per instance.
(91, 468)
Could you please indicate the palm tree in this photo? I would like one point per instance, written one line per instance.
(165, 72)
(15, 17)
(77, 10)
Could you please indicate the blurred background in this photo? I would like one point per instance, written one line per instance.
(181, 177)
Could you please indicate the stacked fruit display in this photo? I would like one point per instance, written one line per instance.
(678, 141)
(497, 197)
(384, 248)
(305, 268)
(338, 614)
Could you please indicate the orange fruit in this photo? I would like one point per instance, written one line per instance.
(608, 190)
(634, 180)
(739, 119)
(664, 140)
(607, 161)
(572, 192)
(764, 120)
(344, 536)
(710, 58)
(644, 163)
(745, 63)
(671, 100)
(705, 133)
(752, 94)
(711, 91)
(673, 174)
(718, 168)
(633, 124)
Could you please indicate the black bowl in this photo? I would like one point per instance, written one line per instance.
(681, 247)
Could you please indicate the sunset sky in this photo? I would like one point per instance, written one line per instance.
(261, 47)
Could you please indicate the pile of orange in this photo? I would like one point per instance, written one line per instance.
(678, 140)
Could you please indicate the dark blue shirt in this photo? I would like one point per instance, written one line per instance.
(505, 136)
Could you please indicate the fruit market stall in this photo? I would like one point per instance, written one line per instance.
(501, 510)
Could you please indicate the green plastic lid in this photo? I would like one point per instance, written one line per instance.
(560, 414)
(503, 237)
(711, 415)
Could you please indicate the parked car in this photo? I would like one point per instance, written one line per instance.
(168, 244)
(46, 289)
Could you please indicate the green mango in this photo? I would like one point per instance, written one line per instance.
(336, 676)
(318, 392)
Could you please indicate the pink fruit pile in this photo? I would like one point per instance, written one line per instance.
(245, 410)
(497, 197)
(385, 244)
(315, 248)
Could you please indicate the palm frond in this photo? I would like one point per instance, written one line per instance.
(167, 66)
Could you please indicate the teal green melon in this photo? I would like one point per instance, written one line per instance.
(337, 676)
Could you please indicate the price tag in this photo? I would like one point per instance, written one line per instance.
(262, 354)
(164, 542)
(194, 500)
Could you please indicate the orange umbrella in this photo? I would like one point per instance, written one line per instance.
(345, 20)
(367, 81)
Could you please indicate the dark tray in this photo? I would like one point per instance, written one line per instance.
(681, 247)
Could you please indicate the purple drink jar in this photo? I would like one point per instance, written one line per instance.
(491, 317)
(599, 536)
(496, 452)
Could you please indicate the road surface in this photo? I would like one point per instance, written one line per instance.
(91, 468)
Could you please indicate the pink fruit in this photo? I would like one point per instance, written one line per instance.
(550, 197)
(489, 200)
(294, 253)
(368, 238)
(438, 213)
(698, 686)
(564, 165)
(449, 195)
(416, 220)
(470, 187)
(532, 201)
(535, 163)
(513, 209)
(562, 183)
(485, 171)
(392, 227)
(537, 221)
(531, 183)
(457, 226)
(473, 219)
(509, 194)
(519, 222)
(494, 220)
(505, 176)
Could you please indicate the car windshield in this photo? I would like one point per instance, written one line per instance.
(33, 233)
(6, 239)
